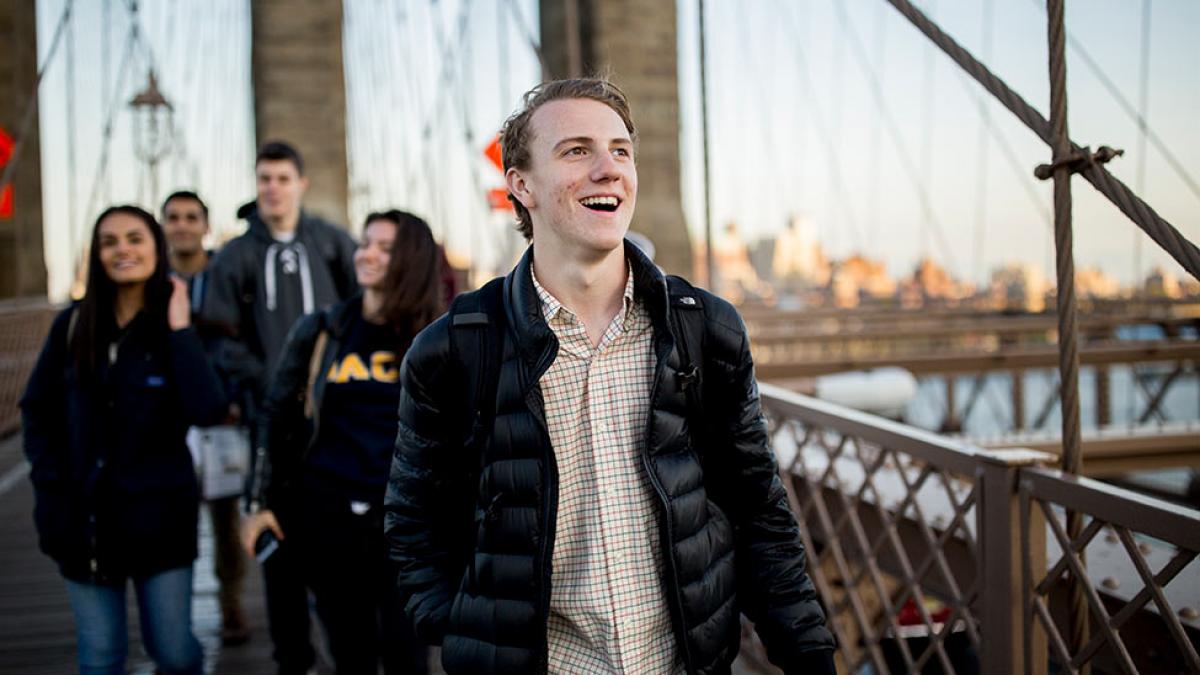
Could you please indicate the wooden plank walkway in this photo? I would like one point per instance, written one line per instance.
(36, 626)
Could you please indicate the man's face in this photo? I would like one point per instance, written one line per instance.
(185, 225)
(280, 188)
(581, 183)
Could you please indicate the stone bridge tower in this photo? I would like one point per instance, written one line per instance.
(634, 43)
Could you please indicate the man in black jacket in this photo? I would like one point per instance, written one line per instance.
(582, 515)
(287, 264)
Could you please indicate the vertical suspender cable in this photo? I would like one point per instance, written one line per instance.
(829, 237)
(985, 123)
(1143, 110)
(927, 86)
(106, 71)
(1068, 352)
(875, 169)
(73, 226)
(709, 270)
(505, 87)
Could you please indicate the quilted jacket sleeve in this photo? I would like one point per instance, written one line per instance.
(428, 508)
(43, 407)
(773, 584)
(283, 433)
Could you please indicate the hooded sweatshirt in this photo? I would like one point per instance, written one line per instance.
(258, 286)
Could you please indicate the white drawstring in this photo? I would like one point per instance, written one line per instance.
(306, 286)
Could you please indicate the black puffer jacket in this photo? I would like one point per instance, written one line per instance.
(734, 545)
(116, 492)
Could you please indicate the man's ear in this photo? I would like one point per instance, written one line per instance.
(303, 184)
(519, 188)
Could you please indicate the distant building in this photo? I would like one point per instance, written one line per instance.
(736, 278)
(1018, 287)
(798, 258)
(1091, 282)
(1162, 284)
(858, 278)
(930, 282)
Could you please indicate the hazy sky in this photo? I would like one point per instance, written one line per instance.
(837, 110)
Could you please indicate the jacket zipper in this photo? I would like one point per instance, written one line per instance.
(674, 597)
(550, 508)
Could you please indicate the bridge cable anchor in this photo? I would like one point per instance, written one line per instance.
(1078, 161)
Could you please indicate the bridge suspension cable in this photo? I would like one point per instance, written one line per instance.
(1162, 232)
(985, 123)
(844, 202)
(914, 176)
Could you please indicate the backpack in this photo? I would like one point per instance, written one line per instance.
(478, 321)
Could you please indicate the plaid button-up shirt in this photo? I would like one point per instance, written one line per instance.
(608, 609)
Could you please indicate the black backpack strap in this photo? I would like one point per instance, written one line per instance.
(476, 343)
(687, 322)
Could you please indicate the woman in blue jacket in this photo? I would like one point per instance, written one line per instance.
(328, 425)
(120, 378)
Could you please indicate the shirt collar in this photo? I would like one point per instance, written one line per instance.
(551, 305)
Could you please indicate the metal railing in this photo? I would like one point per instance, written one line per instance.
(23, 328)
(928, 551)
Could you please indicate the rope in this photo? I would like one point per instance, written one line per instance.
(1068, 351)
(1139, 118)
(1162, 232)
(1064, 244)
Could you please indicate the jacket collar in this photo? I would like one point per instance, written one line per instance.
(256, 225)
(524, 310)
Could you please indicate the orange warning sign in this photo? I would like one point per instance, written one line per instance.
(498, 199)
(494, 153)
(6, 197)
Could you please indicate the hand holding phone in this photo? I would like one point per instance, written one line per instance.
(261, 535)
(266, 544)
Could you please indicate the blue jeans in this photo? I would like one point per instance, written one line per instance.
(165, 609)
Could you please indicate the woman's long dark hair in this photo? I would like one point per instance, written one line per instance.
(94, 316)
(412, 286)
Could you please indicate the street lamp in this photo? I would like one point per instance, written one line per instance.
(152, 129)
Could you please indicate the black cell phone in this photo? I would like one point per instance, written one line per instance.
(266, 544)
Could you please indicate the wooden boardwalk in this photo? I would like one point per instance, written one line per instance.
(36, 626)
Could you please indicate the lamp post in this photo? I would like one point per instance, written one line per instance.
(153, 123)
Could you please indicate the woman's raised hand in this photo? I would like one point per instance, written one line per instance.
(179, 309)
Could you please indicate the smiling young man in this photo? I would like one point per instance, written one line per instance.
(185, 224)
(577, 513)
(288, 263)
